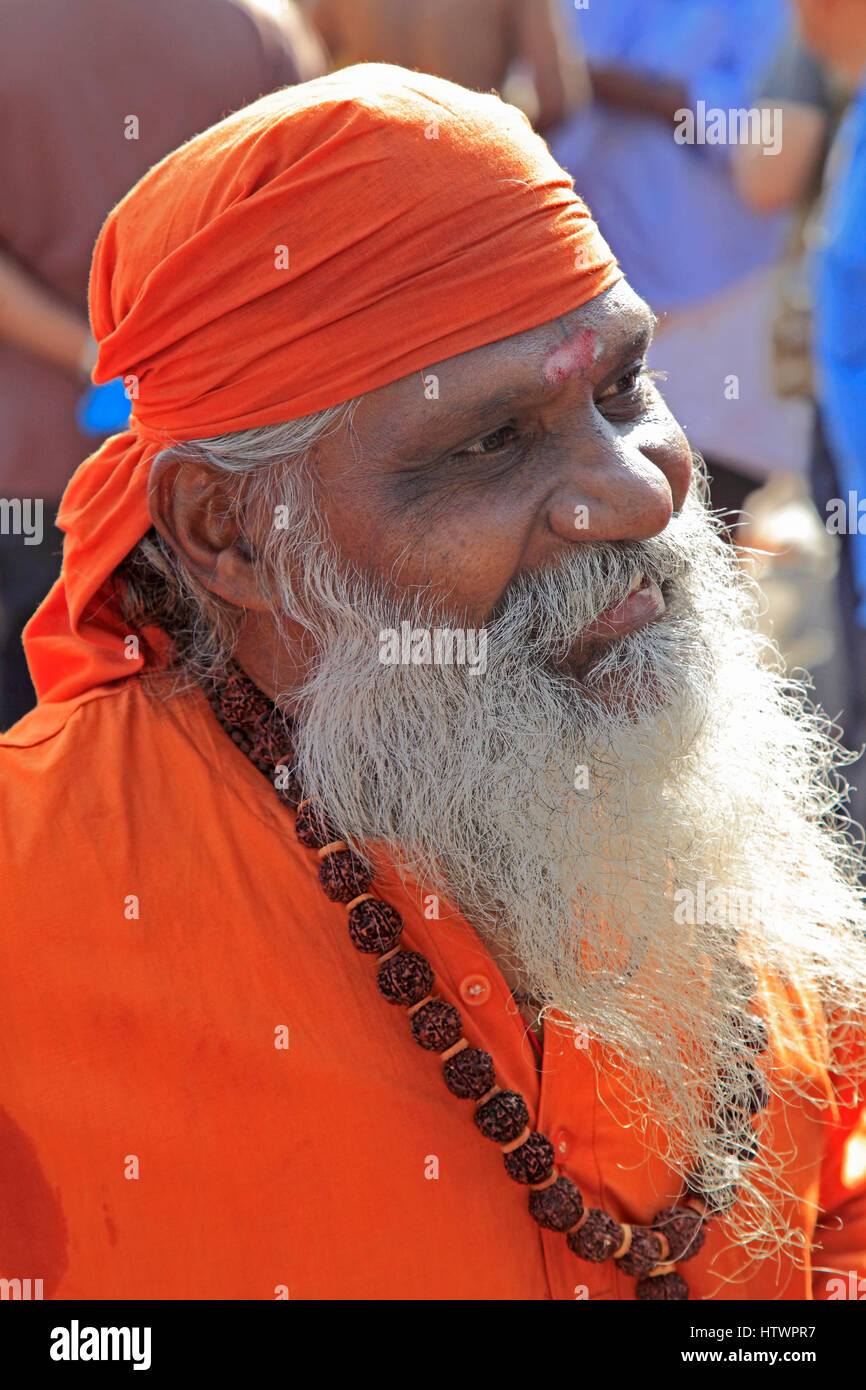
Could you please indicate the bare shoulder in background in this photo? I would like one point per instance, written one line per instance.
(516, 48)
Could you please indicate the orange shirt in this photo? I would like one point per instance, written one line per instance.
(163, 933)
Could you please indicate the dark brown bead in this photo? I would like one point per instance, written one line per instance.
(752, 1031)
(738, 1115)
(644, 1252)
(532, 1161)
(751, 1096)
(312, 829)
(286, 785)
(405, 978)
(374, 926)
(241, 701)
(598, 1237)
(503, 1117)
(469, 1074)
(683, 1230)
(663, 1286)
(757, 1097)
(343, 876)
(556, 1207)
(272, 742)
(737, 1139)
(437, 1025)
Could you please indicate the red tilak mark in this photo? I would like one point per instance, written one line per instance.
(575, 354)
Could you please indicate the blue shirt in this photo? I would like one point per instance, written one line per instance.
(670, 212)
(840, 327)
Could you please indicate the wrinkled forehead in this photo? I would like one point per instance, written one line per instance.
(590, 340)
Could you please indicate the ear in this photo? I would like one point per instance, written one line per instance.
(188, 507)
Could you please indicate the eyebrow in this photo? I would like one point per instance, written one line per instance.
(642, 337)
(475, 413)
(456, 424)
(470, 417)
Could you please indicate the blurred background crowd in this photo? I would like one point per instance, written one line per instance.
(744, 228)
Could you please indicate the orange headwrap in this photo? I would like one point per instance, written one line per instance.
(327, 240)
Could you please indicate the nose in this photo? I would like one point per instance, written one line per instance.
(612, 488)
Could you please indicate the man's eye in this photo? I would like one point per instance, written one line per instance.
(493, 443)
(626, 383)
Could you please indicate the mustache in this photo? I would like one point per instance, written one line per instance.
(546, 611)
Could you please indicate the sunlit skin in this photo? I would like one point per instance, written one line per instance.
(465, 493)
(835, 30)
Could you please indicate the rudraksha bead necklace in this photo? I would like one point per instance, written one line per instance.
(405, 978)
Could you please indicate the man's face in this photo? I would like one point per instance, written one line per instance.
(495, 463)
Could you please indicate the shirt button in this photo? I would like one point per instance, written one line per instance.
(562, 1143)
(475, 989)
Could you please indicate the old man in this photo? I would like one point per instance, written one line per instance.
(326, 975)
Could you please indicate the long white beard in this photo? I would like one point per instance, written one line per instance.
(627, 896)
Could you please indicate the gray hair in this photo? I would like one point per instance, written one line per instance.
(262, 469)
